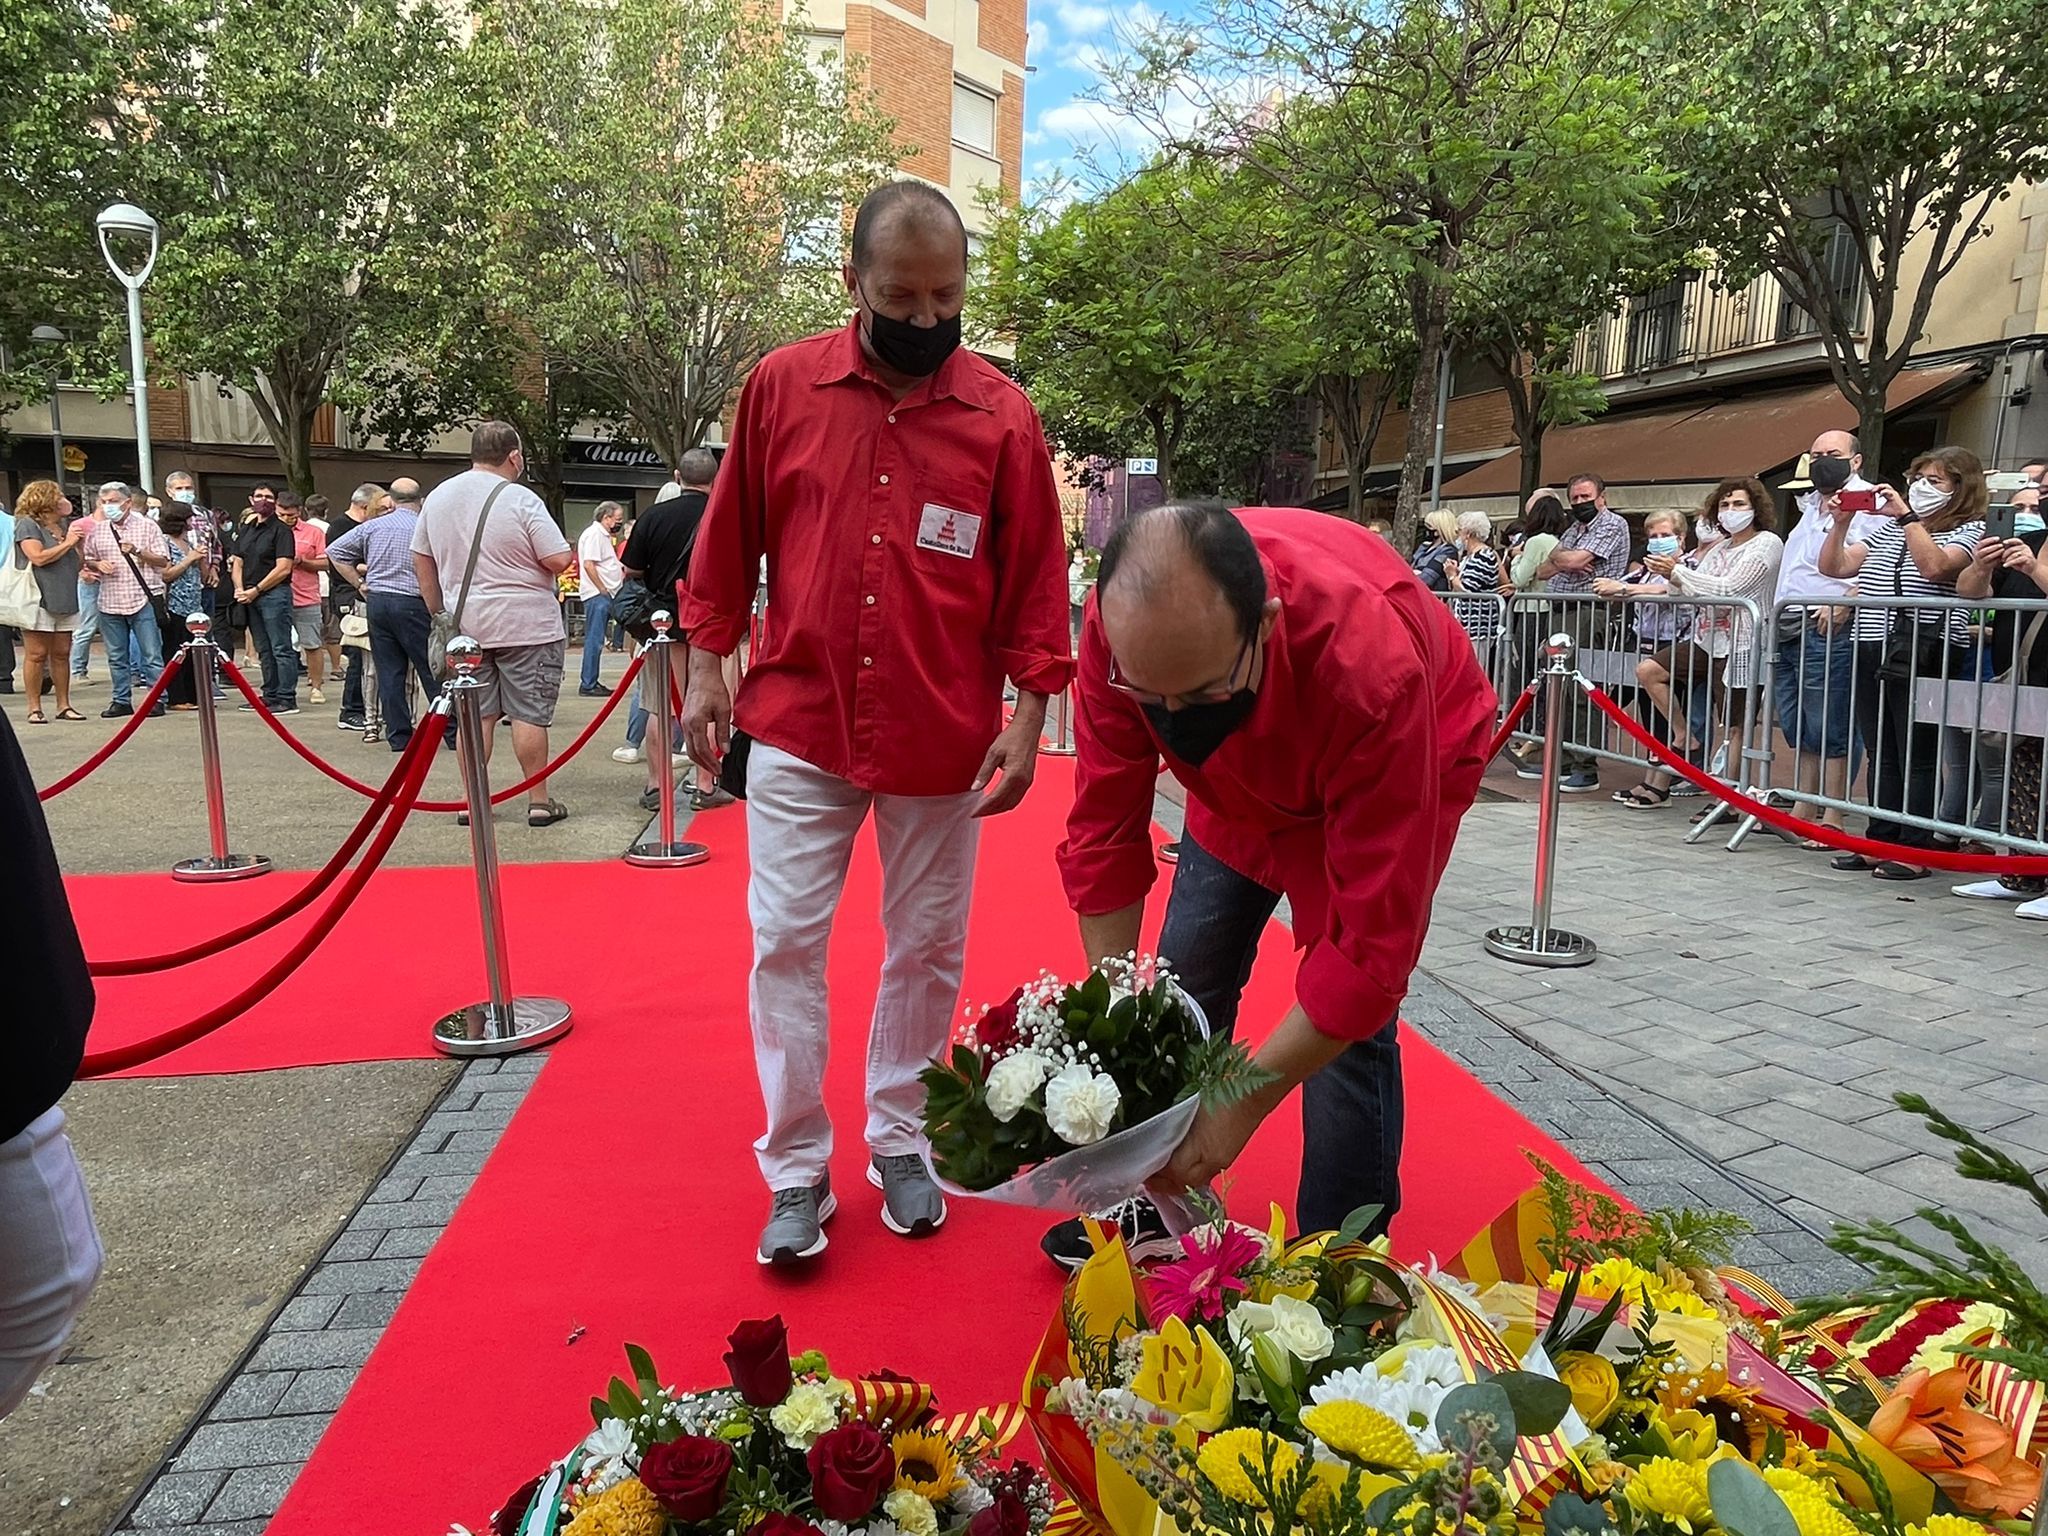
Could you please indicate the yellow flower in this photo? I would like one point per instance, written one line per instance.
(1672, 1490)
(626, 1509)
(1686, 1435)
(1596, 1389)
(926, 1464)
(1185, 1371)
(912, 1512)
(1635, 1283)
(1950, 1525)
(1322, 1496)
(1361, 1432)
(1228, 1460)
(1812, 1510)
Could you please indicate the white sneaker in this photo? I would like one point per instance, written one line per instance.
(317, 697)
(1987, 890)
(2036, 909)
(628, 755)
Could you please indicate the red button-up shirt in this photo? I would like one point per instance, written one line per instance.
(915, 558)
(1344, 787)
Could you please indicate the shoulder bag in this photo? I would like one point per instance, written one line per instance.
(159, 604)
(1909, 652)
(20, 597)
(446, 626)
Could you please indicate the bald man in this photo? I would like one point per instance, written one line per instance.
(1329, 722)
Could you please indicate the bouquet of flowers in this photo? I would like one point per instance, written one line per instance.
(1089, 1085)
(787, 1449)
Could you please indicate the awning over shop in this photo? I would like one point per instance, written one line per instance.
(1704, 442)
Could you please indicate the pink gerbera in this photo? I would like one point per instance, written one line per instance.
(1195, 1286)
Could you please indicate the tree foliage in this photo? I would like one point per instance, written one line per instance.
(1902, 127)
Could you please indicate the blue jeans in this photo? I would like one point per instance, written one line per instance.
(139, 628)
(1351, 1111)
(270, 625)
(597, 613)
(1811, 688)
(88, 626)
(398, 639)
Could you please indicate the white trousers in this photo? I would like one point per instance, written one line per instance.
(49, 1253)
(801, 823)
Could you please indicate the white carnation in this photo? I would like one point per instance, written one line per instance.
(1013, 1080)
(1080, 1104)
(913, 1512)
(610, 1440)
(809, 1411)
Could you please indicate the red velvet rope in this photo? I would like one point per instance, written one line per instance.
(128, 728)
(1516, 711)
(422, 744)
(1771, 816)
(583, 740)
(119, 1059)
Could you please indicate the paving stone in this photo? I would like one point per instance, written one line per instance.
(1851, 1146)
(363, 1275)
(445, 1187)
(351, 1245)
(176, 1498)
(315, 1351)
(1833, 1188)
(308, 1311)
(394, 1186)
(253, 1493)
(426, 1165)
(435, 1213)
(474, 1141)
(407, 1242)
(219, 1528)
(369, 1312)
(251, 1395)
(317, 1391)
(258, 1443)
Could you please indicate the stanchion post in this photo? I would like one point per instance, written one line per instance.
(1539, 943)
(202, 661)
(502, 1024)
(657, 696)
(1057, 740)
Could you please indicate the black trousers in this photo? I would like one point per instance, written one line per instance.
(1352, 1110)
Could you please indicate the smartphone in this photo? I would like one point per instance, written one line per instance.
(2001, 520)
(1857, 501)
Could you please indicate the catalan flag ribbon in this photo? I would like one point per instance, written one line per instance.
(1543, 1463)
(885, 1401)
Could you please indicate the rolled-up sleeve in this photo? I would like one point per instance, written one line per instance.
(714, 601)
(1106, 860)
(1031, 629)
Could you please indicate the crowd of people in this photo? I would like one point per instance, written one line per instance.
(312, 598)
(1682, 597)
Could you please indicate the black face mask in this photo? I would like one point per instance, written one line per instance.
(1194, 731)
(1585, 511)
(1830, 475)
(915, 350)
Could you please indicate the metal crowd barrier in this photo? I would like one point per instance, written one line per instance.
(1713, 654)
(1907, 724)
(1484, 617)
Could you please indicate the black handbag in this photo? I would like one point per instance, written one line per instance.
(1910, 651)
(732, 772)
(633, 608)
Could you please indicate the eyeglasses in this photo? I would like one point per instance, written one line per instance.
(1220, 694)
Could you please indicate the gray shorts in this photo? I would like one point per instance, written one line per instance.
(306, 627)
(523, 682)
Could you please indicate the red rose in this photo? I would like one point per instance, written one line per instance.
(998, 1026)
(688, 1476)
(506, 1521)
(758, 1362)
(1006, 1517)
(851, 1468)
(779, 1524)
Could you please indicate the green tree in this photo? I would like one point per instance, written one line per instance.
(1855, 149)
(671, 180)
(1456, 128)
(308, 213)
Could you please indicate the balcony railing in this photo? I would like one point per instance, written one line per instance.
(1690, 322)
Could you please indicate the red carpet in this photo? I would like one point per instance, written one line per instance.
(623, 1202)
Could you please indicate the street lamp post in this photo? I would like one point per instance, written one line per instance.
(50, 336)
(127, 219)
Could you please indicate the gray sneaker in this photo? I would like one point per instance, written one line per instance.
(911, 1203)
(796, 1224)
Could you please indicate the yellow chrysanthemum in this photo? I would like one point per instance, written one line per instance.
(1812, 1510)
(1672, 1490)
(1228, 1459)
(1360, 1431)
(1635, 1282)
(926, 1464)
(1950, 1525)
(626, 1509)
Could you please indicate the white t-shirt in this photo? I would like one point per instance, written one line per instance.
(512, 600)
(1799, 577)
(596, 557)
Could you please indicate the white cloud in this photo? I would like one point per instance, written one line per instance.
(1035, 39)
(1079, 18)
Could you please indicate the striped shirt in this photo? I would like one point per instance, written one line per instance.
(384, 544)
(1888, 571)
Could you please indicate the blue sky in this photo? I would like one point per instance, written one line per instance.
(1070, 41)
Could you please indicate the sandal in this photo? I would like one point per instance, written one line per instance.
(68, 713)
(1849, 861)
(1893, 869)
(546, 814)
(36, 717)
(1642, 797)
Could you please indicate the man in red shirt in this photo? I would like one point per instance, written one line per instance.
(903, 495)
(1329, 722)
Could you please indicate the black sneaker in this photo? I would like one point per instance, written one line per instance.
(595, 691)
(285, 709)
(116, 711)
(245, 706)
(352, 723)
(650, 799)
(159, 710)
(1068, 1245)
